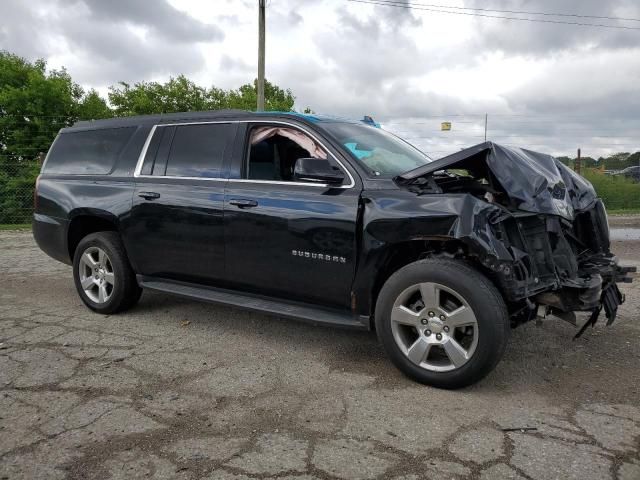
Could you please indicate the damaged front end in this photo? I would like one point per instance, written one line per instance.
(554, 254)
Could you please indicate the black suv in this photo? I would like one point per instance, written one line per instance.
(332, 221)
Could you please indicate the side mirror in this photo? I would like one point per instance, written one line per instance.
(317, 170)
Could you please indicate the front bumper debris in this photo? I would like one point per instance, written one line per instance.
(536, 227)
(561, 267)
(610, 299)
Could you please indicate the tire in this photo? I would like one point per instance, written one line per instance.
(425, 316)
(101, 262)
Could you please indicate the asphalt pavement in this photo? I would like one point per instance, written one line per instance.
(180, 389)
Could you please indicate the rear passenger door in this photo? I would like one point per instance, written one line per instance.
(176, 225)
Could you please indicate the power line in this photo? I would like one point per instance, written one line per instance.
(521, 19)
(517, 12)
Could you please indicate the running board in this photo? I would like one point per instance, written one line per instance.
(269, 306)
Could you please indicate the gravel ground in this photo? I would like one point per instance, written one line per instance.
(624, 221)
(179, 389)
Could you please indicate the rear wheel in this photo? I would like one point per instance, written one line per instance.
(102, 274)
(442, 323)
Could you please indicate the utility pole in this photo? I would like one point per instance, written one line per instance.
(578, 162)
(486, 118)
(261, 37)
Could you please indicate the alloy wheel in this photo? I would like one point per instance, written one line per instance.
(96, 275)
(434, 327)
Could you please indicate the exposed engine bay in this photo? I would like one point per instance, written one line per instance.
(536, 226)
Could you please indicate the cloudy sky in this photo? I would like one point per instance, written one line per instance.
(549, 86)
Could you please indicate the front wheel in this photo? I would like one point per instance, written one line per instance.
(442, 322)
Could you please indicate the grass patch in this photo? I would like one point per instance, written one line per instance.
(16, 226)
(620, 194)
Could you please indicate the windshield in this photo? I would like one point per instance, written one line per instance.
(380, 152)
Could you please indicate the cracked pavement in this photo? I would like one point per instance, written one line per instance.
(179, 389)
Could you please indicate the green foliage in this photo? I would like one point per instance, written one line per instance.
(617, 191)
(177, 95)
(16, 192)
(15, 226)
(585, 162)
(617, 161)
(93, 107)
(181, 95)
(246, 97)
(620, 161)
(34, 105)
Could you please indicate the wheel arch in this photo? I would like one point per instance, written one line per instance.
(86, 221)
(397, 255)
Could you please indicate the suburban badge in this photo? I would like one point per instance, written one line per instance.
(318, 256)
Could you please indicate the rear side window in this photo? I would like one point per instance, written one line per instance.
(90, 152)
(198, 150)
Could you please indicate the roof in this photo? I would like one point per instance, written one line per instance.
(196, 116)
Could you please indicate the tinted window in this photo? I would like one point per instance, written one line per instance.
(198, 150)
(87, 152)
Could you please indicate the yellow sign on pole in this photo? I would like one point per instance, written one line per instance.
(445, 126)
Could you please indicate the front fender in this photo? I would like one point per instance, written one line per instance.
(393, 217)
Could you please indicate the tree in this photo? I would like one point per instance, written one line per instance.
(34, 106)
(616, 161)
(177, 95)
(180, 94)
(93, 107)
(275, 98)
(621, 160)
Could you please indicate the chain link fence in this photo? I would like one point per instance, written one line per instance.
(17, 182)
(24, 142)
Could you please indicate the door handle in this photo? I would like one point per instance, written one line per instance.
(149, 195)
(243, 203)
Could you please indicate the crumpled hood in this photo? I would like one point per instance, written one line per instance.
(535, 181)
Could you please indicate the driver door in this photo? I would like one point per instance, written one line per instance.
(284, 238)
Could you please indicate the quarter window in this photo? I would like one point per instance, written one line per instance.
(88, 152)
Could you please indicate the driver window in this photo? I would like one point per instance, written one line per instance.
(274, 151)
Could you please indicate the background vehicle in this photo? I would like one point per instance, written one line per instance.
(330, 221)
(632, 172)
